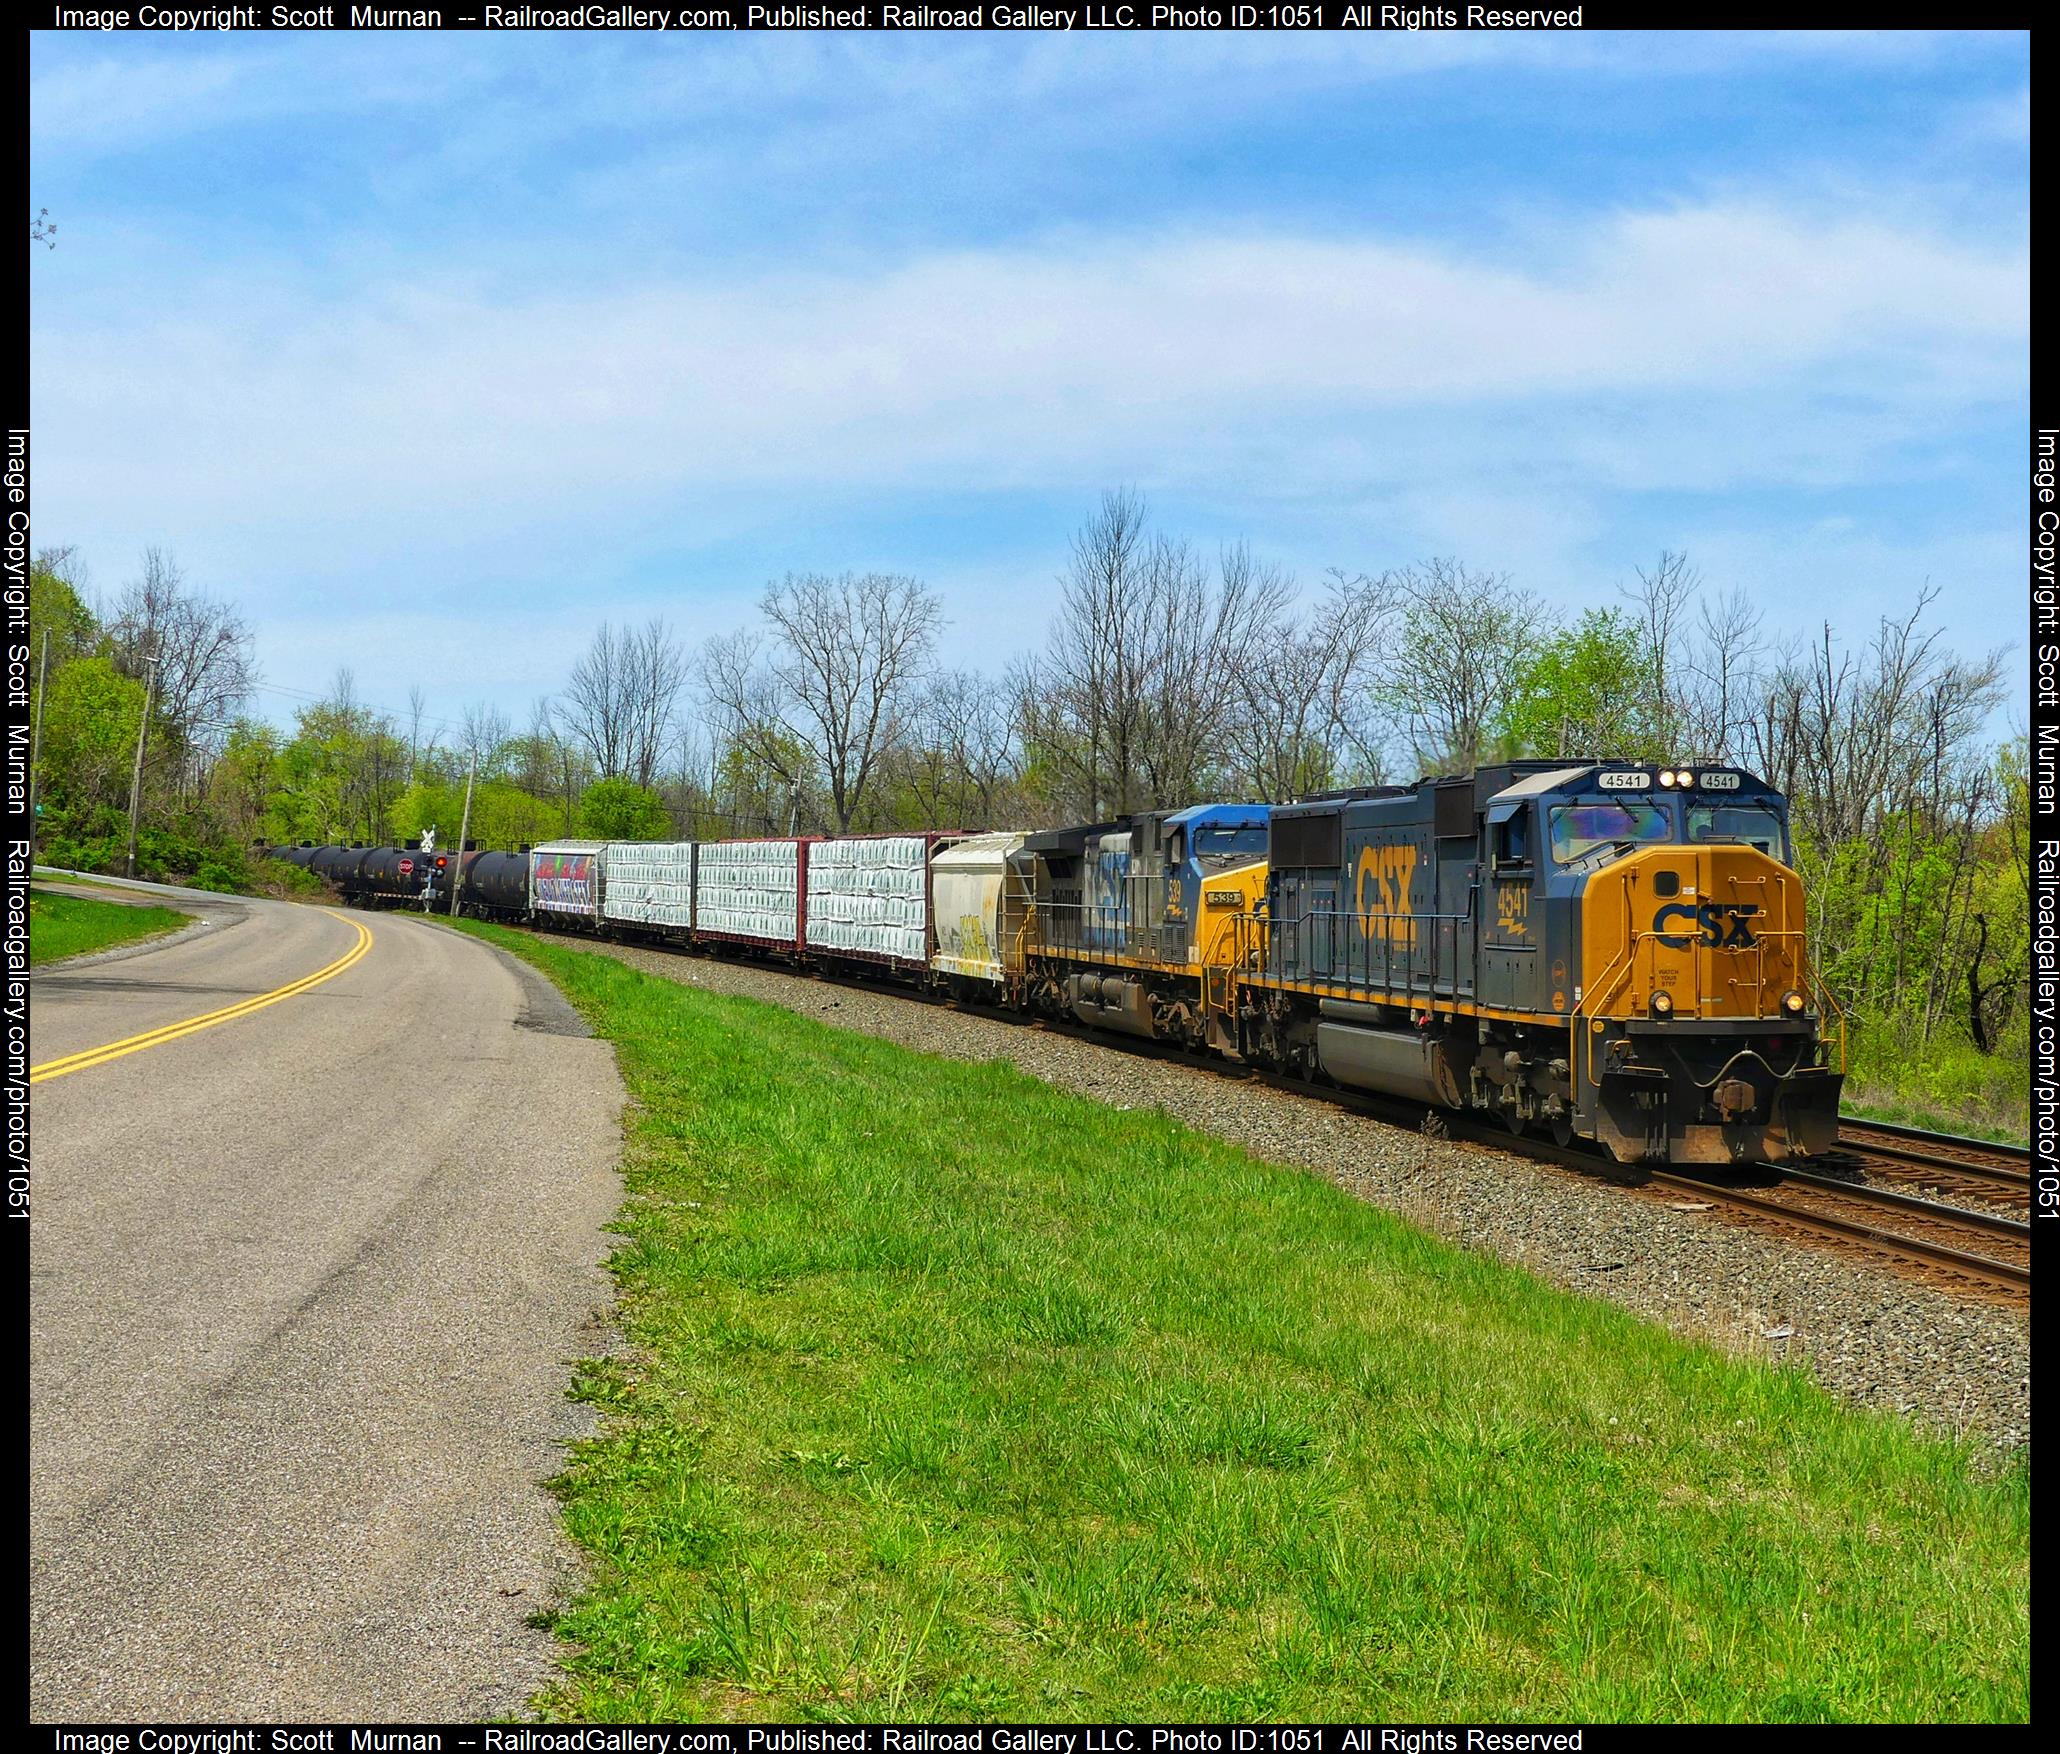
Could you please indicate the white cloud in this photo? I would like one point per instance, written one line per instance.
(998, 368)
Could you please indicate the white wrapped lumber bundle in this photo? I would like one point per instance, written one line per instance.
(648, 883)
(870, 897)
(748, 889)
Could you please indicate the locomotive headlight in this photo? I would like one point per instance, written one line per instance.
(1662, 1005)
(1668, 777)
(1792, 1003)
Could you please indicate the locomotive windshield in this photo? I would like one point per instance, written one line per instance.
(1580, 829)
(1753, 824)
(1229, 844)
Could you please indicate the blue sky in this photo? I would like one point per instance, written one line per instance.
(432, 352)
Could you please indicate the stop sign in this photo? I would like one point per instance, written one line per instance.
(407, 867)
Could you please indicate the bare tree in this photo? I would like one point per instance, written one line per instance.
(1721, 676)
(1660, 600)
(1202, 643)
(596, 708)
(621, 698)
(418, 711)
(1083, 705)
(1298, 725)
(657, 669)
(535, 755)
(959, 764)
(1132, 702)
(1462, 642)
(763, 769)
(482, 735)
(1880, 751)
(202, 649)
(846, 657)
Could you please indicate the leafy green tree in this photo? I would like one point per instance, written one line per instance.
(243, 778)
(504, 816)
(55, 605)
(1585, 692)
(623, 810)
(90, 719)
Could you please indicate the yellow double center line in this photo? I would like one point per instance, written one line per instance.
(156, 1038)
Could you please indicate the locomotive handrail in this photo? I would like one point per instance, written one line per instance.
(1419, 974)
(1587, 1005)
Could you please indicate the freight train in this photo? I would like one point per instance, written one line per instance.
(1604, 950)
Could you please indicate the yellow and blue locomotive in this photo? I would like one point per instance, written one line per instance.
(1609, 951)
(1132, 925)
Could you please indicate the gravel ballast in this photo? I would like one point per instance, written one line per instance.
(1869, 1336)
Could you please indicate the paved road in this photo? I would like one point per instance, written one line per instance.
(304, 1286)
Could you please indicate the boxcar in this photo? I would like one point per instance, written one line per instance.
(565, 880)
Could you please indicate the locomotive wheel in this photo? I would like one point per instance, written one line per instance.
(1513, 1121)
(1562, 1130)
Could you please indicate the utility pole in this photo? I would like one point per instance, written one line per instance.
(464, 828)
(136, 778)
(36, 741)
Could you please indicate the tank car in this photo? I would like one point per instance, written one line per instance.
(495, 885)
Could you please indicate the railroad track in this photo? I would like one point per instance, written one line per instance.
(1926, 1231)
(1972, 1168)
(1963, 1249)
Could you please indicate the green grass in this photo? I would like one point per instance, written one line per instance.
(71, 925)
(1944, 1084)
(948, 1395)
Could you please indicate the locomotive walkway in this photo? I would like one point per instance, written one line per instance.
(309, 1257)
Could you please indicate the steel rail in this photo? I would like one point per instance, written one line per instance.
(1860, 1146)
(1924, 1136)
(2007, 1273)
(1960, 1216)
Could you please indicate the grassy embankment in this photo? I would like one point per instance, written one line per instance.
(950, 1395)
(1946, 1085)
(71, 925)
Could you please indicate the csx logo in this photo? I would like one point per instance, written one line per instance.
(1722, 927)
(1383, 893)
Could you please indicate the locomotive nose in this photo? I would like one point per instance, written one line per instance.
(1713, 923)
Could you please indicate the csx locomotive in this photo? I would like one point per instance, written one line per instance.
(1605, 950)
